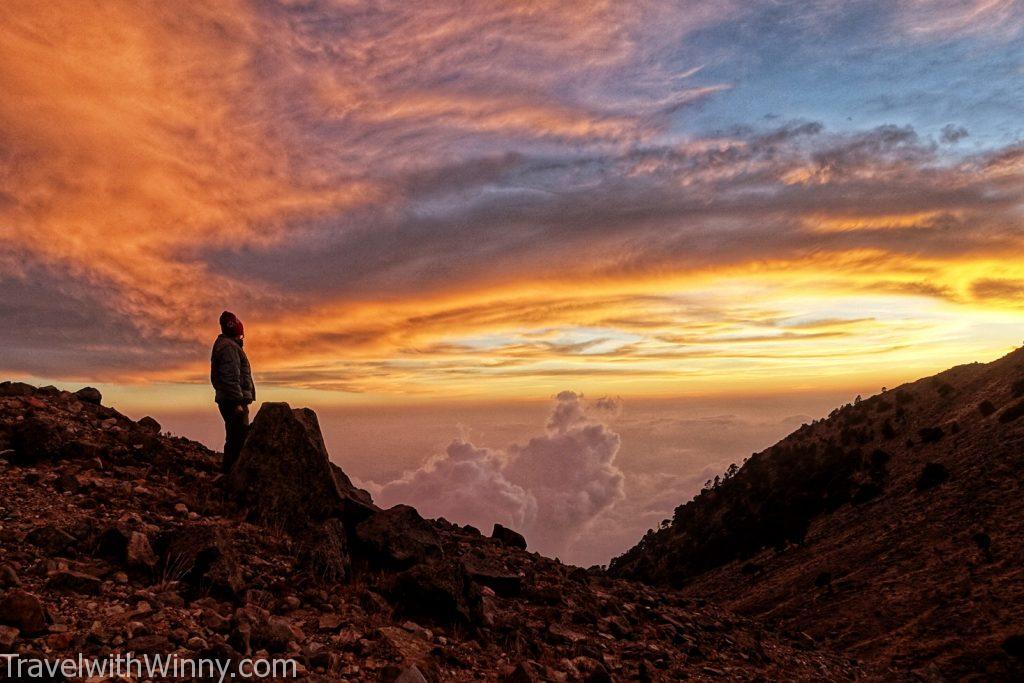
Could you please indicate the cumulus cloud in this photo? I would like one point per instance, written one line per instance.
(465, 484)
(551, 488)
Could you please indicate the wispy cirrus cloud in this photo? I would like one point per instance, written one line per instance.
(400, 198)
(944, 18)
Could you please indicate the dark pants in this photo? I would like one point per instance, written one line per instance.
(236, 426)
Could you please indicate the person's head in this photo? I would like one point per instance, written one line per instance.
(230, 325)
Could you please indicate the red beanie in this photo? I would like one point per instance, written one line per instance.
(230, 325)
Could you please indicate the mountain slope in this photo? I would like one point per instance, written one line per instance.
(893, 530)
(117, 538)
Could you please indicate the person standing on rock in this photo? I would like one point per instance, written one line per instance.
(232, 380)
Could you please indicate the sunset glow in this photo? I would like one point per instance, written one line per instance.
(503, 200)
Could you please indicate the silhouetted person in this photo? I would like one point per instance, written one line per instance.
(232, 380)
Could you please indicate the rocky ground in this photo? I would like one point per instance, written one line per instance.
(117, 538)
(906, 546)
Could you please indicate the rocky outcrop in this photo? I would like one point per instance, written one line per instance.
(438, 593)
(37, 437)
(397, 538)
(16, 389)
(506, 583)
(90, 395)
(513, 539)
(284, 477)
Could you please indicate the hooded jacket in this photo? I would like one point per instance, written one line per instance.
(230, 373)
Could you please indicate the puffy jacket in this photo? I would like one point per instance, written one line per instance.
(230, 373)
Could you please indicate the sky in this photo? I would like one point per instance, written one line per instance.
(456, 206)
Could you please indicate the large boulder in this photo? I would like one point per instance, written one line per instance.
(359, 504)
(89, 395)
(397, 538)
(512, 539)
(438, 593)
(505, 583)
(284, 477)
(37, 437)
(16, 389)
(23, 611)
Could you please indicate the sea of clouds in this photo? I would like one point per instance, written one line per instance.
(551, 488)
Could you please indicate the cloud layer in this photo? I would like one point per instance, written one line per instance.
(550, 488)
(409, 200)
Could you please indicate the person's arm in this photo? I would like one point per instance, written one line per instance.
(229, 373)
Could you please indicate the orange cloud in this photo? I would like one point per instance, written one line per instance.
(130, 139)
(417, 200)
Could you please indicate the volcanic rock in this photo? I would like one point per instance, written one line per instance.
(89, 395)
(8, 577)
(151, 643)
(16, 389)
(130, 548)
(75, 582)
(504, 583)
(67, 483)
(524, 672)
(23, 611)
(359, 504)
(330, 622)
(274, 634)
(397, 538)
(410, 675)
(512, 539)
(50, 539)
(438, 592)
(284, 477)
(35, 438)
(407, 649)
(8, 634)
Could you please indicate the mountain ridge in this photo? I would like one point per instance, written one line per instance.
(890, 530)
